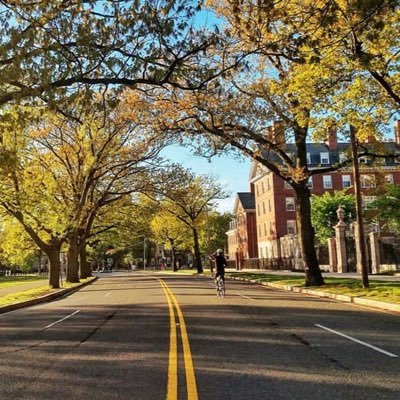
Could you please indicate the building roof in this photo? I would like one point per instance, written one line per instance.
(248, 200)
(390, 149)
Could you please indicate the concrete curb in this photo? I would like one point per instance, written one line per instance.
(363, 301)
(45, 298)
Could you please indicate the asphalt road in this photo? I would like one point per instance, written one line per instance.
(147, 337)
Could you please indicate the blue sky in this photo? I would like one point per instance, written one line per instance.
(233, 173)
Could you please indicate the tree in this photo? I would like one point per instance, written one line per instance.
(186, 196)
(213, 235)
(16, 247)
(289, 75)
(64, 170)
(323, 210)
(388, 206)
(169, 229)
(51, 50)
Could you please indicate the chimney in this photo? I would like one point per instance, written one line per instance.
(370, 139)
(331, 140)
(397, 132)
(276, 133)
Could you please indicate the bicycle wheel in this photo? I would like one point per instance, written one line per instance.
(222, 288)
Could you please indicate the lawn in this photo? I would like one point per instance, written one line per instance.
(378, 290)
(40, 291)
(6, 281)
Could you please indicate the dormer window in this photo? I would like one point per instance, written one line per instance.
(324, 158)
(308, 158)
(342, 157)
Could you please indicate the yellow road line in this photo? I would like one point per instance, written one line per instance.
(172, 386)
(187, 354)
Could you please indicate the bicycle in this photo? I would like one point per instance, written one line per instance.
(220, 286)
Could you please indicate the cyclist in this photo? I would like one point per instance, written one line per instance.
(220, 264)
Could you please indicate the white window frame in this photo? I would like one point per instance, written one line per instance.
(327, 181)
(324, 158)
(367, 181)
(290, 204)
(310, 183)
(287, 185)
(291, 227)
(308, 158)
(342, 157)
(367, 200)
(345, 179)
(389, 179)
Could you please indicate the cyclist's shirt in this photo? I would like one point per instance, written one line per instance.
(220, 262)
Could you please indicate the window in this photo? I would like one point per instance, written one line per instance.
(367, 201)
(290, 206)
(324, 158)
(258, 209)
(291, 227)
(268, 185)
(397, 158)
(269, 205)
(310, 182)
(257, 190)
(327, 181)
(265, 229)
(308, 158)
(263, 208)
(342, 157)
(262, 186)
(365, 160)
(259, 230)
(286, 185)
(261, 252)
(346, 181)
(389, 179)
(367, 181)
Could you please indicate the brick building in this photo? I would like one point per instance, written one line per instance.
(275, 200)
(242, 235)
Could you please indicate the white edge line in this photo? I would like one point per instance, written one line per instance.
(357, 341)
(107, 294)
(62, 319)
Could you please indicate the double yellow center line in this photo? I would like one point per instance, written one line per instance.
(172, 390)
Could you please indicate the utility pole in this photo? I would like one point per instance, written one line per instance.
(359, 234)
(144, 253)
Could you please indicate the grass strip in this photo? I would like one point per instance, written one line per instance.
(6, 281)
(30, 294)
(378, 290)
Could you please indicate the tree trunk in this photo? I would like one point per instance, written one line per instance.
(85, 267)
(307, 237)
(197, 255)
(173, 255)
(73, 259)
(54, 270)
